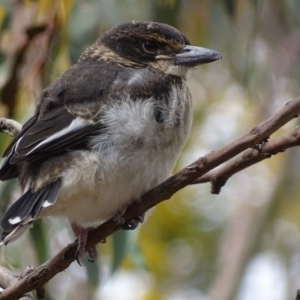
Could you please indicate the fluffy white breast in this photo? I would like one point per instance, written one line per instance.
(133, 154)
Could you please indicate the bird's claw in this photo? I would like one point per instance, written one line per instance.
(92, 254)
(77, 256)
(133, 224)
(82, 234)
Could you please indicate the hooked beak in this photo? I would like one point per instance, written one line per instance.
(191, 56)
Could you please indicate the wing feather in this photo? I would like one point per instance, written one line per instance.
(78, 94)
(58, 131)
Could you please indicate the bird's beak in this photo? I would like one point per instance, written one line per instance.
(191, 56)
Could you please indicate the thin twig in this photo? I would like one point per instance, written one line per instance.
(7, 279)
(219, 177)
(9, 126)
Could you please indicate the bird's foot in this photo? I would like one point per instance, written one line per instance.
(82, 234)
(134, 223)
(128, 225)
(92, 254)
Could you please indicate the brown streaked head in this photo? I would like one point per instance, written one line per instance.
(142, 44)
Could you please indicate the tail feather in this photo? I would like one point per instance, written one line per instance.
(48, 198)
(23, 212)
(13, 235)
(19, 210)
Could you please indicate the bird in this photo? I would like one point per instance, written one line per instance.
(109, 129)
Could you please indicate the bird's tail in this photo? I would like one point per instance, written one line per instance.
(24, 211)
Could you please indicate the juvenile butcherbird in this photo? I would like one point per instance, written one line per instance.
(106, 131)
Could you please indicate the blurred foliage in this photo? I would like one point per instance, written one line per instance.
(196, 246)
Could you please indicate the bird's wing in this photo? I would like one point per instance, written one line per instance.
(66, 116)
(57, 131)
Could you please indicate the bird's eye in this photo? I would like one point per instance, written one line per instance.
(150, 47)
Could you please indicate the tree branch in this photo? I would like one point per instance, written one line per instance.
(9, 126)
(8, 279)
(218, 178)
(164, 191)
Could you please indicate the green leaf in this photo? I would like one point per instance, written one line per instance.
(120, 247)
(39, 239)
(93, 272)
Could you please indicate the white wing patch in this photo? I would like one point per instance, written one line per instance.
(75, 125)
(14, 221)
(47, 203)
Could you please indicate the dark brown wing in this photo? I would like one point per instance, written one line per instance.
(62, 114)
(56, 132)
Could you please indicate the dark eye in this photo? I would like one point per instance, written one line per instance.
(150, 46)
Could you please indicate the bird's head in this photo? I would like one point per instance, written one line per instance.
(143, 44)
